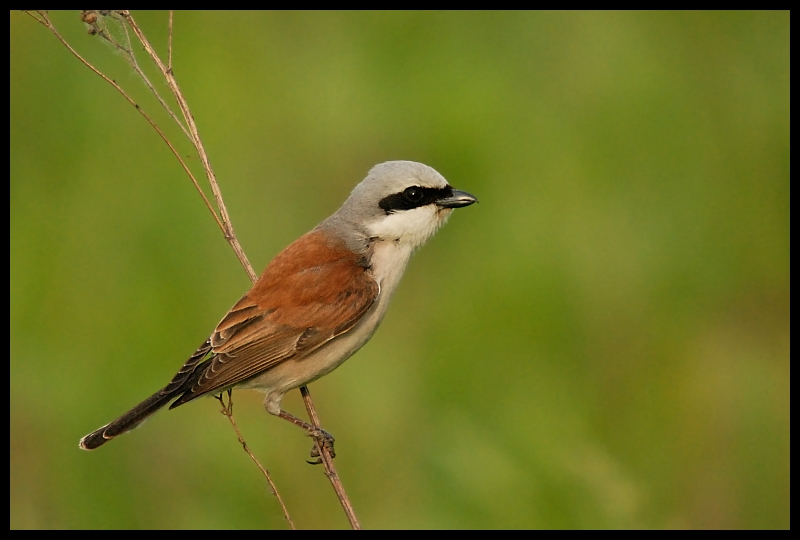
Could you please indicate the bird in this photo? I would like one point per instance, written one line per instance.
(317, 302)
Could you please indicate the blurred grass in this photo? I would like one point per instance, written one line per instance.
(603, 342)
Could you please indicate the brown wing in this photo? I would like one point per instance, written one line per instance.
(310, 293)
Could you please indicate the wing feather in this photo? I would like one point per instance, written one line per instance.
(313, 291)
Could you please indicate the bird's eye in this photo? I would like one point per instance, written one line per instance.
(413, 194)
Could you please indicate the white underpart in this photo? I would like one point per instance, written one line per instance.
(410, 227)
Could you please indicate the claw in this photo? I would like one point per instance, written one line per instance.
(323, 439)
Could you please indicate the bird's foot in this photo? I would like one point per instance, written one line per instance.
(322, 439)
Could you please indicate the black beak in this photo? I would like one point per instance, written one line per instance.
(456, 199)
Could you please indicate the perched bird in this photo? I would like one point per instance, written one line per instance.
(318, 302)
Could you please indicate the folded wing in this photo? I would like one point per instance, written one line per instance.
(313, 291)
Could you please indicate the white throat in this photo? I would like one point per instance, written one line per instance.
(410, 227)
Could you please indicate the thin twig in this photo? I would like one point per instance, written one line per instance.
(131, 56)
(99, 26)
(327, 461)
(45, 21)
(169, 43)
(227, 410)
(35, 18)
(227, 229)
(225, 222)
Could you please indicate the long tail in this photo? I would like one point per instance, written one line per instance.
(127, 421)
(180, 383)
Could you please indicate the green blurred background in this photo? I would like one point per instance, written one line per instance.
(602, 342)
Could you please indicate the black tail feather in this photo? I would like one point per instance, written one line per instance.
(127, 421)
(180, 384)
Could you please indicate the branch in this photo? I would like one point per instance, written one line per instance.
(327, 461)
(223, 221)
(99, 26)
(169, 76)
(227, 410)
(45, 21)
(194, 135)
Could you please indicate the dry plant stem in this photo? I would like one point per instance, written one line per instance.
(127, 50)
(158, 96)
(227, 229)
(227, 410)
(45, 21)
(225, 224)
(169, 42)
(327, 461)
(152, 88)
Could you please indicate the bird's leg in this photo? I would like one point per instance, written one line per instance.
(320, 436)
